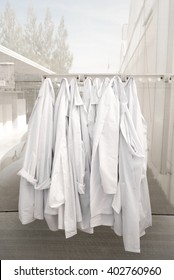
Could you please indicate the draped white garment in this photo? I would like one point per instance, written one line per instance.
(36, 171)
(86, 159)
(104, 164)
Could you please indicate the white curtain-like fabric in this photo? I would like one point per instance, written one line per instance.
(86, 160)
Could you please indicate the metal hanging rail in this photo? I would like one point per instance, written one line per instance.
(167, 77)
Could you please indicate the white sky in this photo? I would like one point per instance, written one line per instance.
(94, 29)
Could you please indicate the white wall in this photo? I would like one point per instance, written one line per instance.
(150, 49)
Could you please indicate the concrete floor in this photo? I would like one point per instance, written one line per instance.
(159, 201)
(35, 241)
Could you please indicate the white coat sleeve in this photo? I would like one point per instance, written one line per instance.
(28, 171)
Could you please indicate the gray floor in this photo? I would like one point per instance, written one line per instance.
(159, 202)
(35, 241)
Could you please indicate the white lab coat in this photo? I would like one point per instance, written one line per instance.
(131, 160)
(76, 149)
(61, 192)
(90, 101)
(141, 129)
(36, 171)
(104, 164)
(80, 150)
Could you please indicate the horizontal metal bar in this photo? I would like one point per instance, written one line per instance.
(153, 214)
(167, 77)
(108, 75)
(9, 211)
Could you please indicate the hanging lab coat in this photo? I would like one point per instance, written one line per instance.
(141, 129)
(36, 171)
(87, 103)
(104, 164)
(61, 192)
(97, 89)
(131, 160)
(80, 151)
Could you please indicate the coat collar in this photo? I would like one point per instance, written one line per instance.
(74, 89)
(47, 85)
(88, 87)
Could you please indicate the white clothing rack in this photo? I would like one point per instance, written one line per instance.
(165, 77)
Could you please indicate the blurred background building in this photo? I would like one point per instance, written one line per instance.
(20, 80)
